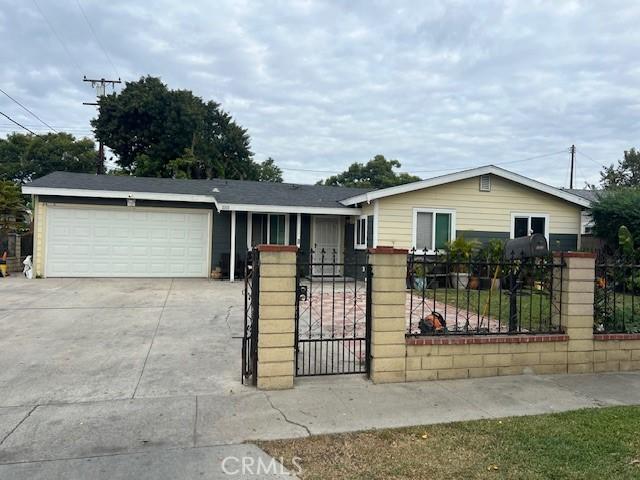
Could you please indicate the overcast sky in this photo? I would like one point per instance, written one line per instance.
(437, 85)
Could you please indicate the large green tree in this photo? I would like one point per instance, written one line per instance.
(376, 173)
(625, 174)
(26, 157)
(155, 131)
(615, 208)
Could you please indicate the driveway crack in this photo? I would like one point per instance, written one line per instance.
(18, 425)
(301, 425)
(155, 332)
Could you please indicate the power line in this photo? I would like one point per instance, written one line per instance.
(33, 114)
(55, 33)
(589, 158)
(438, 170)
(498, 163)
(106, 54)
(19, 124)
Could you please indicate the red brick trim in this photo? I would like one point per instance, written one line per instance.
(482, 339)
(399, 251)
(616, 336)
(574, 254)
(277, 248)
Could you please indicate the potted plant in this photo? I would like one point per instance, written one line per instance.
(459, 253)
(491, 254)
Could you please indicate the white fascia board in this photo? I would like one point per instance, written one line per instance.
(474, 172)
(242, 207)
(76, 192)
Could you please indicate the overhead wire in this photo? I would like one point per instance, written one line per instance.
(19, 124)
(95, 35)
(55, 33)
(29, 111)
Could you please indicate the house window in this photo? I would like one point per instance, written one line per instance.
(525, 224)
(277, 229)
(432, 229)
(361, 232)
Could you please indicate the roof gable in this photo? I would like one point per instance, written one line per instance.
(463, 175)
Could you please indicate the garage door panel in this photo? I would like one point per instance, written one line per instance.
(122, 241)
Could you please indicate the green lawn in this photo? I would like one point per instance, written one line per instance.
(585, 444)
(534, 305)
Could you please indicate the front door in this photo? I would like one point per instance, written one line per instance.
(327, 233)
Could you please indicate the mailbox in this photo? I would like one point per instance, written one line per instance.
(526, 247)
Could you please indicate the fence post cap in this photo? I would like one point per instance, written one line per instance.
(389, 250)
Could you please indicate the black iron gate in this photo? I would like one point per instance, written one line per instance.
(250, 332)
(332, 314)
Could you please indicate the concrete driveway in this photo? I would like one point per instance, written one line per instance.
(101, 368)
(82, 340)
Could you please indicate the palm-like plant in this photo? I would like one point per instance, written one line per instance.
(13, 211)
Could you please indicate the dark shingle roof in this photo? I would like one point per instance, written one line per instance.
(228, 191)
(591, 195)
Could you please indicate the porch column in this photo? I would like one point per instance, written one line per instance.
(249, 229)
(232, 260)
(298, 229)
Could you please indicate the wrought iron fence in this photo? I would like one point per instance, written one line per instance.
(617, 295)
(332, 313)
(505, 296)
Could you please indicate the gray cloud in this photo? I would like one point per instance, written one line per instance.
(438, 85)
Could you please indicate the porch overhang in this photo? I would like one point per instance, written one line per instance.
(242, 207)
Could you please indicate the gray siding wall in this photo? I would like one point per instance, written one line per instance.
(482, 237)
(221, 241)
(563, 242)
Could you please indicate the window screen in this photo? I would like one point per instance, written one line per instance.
(538, 225)
(424, 230)
(276, 229)
(443, 230)
(521, 227)
(361, 232)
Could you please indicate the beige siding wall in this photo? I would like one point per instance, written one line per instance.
(475, 210)
(40, 220)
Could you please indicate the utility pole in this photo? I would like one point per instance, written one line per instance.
(573, 162)
(101, 86)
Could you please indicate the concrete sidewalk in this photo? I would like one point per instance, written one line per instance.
(188, 436)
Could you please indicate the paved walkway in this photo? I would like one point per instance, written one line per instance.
(191, 435)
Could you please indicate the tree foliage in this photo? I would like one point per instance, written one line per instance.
(13, 212)
(26, 157)
(155, 131)
(625, 174)
(376, 173)
(614, 209)
(269, 171)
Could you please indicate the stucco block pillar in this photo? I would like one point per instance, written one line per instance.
(576, 308)
(276, 318)
(388, 324)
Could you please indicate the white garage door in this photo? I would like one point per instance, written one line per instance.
(127, 242)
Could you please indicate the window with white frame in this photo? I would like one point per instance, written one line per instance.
(361, 232)
(278, 230)
(525, 224)
(432, 229)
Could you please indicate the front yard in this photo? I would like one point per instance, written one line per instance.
(584, 444)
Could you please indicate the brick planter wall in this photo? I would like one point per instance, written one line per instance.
(617, 352)
(443, 358)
